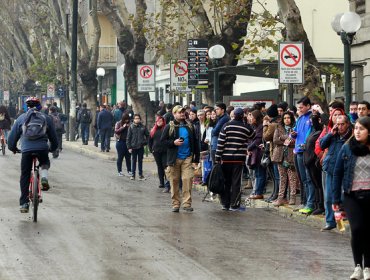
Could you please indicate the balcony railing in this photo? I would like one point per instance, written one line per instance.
(107, 54)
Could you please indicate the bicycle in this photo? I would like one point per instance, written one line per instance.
(3, 142)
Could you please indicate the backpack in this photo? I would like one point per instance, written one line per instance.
(35, 125)
(172, 127)
(216, 181)
(57, 122)
(85, 116)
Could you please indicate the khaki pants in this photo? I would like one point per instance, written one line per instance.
(182, 169)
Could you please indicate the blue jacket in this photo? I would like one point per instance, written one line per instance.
(32, 145)
(217, 129)
(334, 143)
(343, 173)
(105, 119)
(303, 129)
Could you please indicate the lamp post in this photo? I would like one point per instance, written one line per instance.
(123, 71)
(346, 25)
(216, 53)
(100, 72)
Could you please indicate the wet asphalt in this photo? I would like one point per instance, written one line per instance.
(96, 225)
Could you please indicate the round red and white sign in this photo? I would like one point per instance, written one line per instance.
(290, 55)
(146, 72)
(180, 68)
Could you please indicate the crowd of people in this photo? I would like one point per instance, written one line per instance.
(318, 161)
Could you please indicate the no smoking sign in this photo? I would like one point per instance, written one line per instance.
(291, 66)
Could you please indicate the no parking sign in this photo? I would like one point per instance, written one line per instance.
(291, 63)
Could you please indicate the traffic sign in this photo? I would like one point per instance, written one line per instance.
(178, 75)
(51, 90)
(291, 63)
(198, 63)
(145, 78)
(6, 95)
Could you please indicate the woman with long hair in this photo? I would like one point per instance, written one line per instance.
(351, 179)
(284, 157)
(255, 155)
(120, 132)
(159, 151)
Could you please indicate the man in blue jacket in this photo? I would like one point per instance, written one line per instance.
(105, 122)
(222, 118)
(38, 146)
(333, 141)
(300, 133)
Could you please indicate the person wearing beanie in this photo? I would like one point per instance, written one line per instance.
(231, 151)
(270, 123)
(282, 107)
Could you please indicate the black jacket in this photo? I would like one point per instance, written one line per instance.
(168, 141)
(155, 144)
(137, 136)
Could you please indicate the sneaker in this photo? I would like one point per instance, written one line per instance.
(188, 209)
(142, 178)
(357, 273)
(132, 178)
(129, 174)
(166, 190)
(224, 208)
(45, 184)
(366, 273)
(233, 209)
(161, 186)
(175, 209)
(120, 174)
(306, 210)
(25, 207)
(299, 207)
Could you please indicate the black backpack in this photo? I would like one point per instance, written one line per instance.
(216, 181)
(57, 122)
(35, 125)
(85, 116)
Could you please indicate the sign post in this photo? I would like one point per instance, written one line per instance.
(291, 65)
(51, 90)
(145, 78)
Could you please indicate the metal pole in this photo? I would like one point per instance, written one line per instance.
(100, 79)
(347, 69)
(126, 98)
(215, 86)
(291, 94)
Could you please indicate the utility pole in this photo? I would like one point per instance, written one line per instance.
(66, 93)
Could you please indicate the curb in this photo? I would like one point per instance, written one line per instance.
(90, 151)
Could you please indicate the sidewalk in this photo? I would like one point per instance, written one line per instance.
(286, 211)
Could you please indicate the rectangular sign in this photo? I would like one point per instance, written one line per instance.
(145, 78)
(291, 63)
(6, 95)
(198, 63)
(179, 75)
(50, 90)
(248, 103)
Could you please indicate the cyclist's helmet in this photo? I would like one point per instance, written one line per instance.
(32, 102)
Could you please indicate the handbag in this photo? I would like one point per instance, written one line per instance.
(266, 159)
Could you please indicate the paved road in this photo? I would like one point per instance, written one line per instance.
(96, 225)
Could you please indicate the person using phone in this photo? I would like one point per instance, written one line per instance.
(182, 144)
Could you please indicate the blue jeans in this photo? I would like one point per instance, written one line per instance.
(260, 173)
(306, 181)
(328, 200)
(105, 139)
(122, 152)
(137, 155)
(85, 131)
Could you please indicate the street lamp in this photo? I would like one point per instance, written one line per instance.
(216, 53)
(100, 72)
(346, 25)
(123, 71)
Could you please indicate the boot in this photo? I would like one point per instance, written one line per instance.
(280, 202)
(292, 200)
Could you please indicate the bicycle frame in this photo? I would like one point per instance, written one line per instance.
(34, 187)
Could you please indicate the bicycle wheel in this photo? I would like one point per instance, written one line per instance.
(35, 195)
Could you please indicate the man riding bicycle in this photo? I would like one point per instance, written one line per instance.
(38, 144)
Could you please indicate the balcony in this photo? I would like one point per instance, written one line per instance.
(107, 56)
